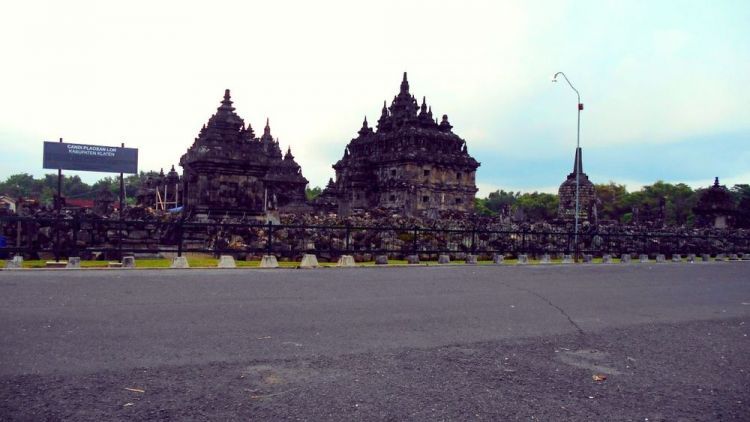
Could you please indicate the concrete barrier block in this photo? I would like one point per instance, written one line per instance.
(721, 257)
(74, 262)
(567, 259)
(660, 258)
(523, 259)
(733, 257)
(606, 259)
(227, 261)
(676, 258)
(412, 259)
(588, 258)
(625, 258)
(691, 258)
(309, 261)
(179, 262)
(545, 259)
(128, 262)
(345, 261)
(15, 263)
(471, 259)
(643, 258)
(444, 259)
(381, 260)
(498, 259)
(705, 257)
(269, 261)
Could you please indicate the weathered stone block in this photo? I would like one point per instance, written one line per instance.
(128, 262)
(412, 259)
(691, 258)
(567, 259)
(625, 258)
(381, 260)
(705, 257)
(471, 259)
(269, 261)
(676, 258)
(179, 262)
(74, 262)
(309, 261)
(523, 259)
(660, 258)
(545, 259)
(643, 258)
(498, 259)
(606, 259)
(588, 258)
(444, 259)
(345, 261)
(227, 261)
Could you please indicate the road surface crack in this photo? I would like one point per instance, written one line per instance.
(549, 302)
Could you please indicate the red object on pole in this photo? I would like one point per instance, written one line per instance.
(580, 106)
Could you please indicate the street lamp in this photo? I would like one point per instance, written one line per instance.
(578, 144)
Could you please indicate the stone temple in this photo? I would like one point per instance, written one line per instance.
(715, 207)
(586, 194)
(409, 164)
(228, 170)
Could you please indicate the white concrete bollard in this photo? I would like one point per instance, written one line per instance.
(179, 262)
(471, 259)
(523, 259)
(381, 260)
(498, 259)
(74, 262)
(309, 261)
(345, 261)
(128, 261)
(227, 261)
(269, 261)
(444, 259)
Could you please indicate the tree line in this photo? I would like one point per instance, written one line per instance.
(615, 202)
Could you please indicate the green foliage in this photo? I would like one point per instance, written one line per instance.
(312, 193)
(480, 207)
(538, 206)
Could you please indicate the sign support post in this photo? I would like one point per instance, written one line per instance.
(58, 208)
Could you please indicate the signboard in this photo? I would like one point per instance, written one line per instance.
(59, 155)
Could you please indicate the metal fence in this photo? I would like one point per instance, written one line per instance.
(85, 236)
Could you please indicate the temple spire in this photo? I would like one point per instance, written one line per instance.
(267, 129)
(578, 163)
(227, 102)
(405, 85)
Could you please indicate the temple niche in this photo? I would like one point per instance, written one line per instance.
(411, 163)
(566, 210)
(715, 207)
(228, 170)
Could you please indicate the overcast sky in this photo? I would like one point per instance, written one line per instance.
(664, 83)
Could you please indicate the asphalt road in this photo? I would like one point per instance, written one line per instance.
(418, 343)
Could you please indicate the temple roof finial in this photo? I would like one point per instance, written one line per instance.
(716, 181)
(405, 85)
(578, 163)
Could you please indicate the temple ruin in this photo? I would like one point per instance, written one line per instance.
(566, 210)
(228, 170)
(409, 164)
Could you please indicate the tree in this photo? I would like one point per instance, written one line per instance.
(613, 199)
(498, 200)
(312, 193)
(538, 206)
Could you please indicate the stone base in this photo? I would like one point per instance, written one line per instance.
(56, 264)
(567, 259)
(705, 257)
(227, 261)
(179, 262)
(588, 259)
(471, 259)
(309, 261)
(721, 257)
(444, 259)
(269, 261)
(606, 259)
(625, 258)
(74, 262)
(345, 261)
(412, 259)
(381, 260)
(676, 258)
(691, 258)
(545, 259)
(660, 258)
(643, 258)
(128, 262)
(498, 259)
(523, 259)
(15, 263)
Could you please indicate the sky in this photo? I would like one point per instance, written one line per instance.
(664, 83)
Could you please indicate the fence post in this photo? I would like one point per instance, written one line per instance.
(473, 239)
(179, 237)
(414, 240)
(269, 241)
(75, 223)
(57, 237)
(347, 238)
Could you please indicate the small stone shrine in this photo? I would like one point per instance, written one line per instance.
(715, 207)
(161, 192)
(228, 170)
(410, 164)
(586, 194)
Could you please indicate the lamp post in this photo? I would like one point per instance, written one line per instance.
(577, 164)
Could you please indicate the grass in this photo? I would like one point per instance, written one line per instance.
(205, 262)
